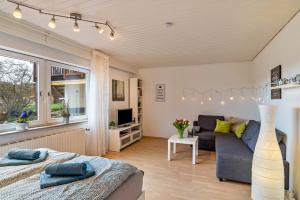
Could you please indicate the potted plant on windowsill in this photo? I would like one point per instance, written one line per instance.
(22, 122)
(65, 113)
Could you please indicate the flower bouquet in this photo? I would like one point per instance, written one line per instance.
(181, 125)
(22, 121)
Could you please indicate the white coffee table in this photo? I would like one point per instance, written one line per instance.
(187, 140)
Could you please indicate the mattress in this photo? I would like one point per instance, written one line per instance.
(131, 189)
(12, 174)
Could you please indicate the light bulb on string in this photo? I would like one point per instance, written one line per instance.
(231, 95)
(76, 27)
(112, 36)
(182, 98)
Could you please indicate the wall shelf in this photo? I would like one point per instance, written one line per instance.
(287, 86)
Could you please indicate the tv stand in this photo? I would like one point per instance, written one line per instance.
(122, 137)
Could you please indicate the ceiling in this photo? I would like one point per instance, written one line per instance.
(204, 31)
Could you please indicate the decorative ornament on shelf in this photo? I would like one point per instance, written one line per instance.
(17, 13)
(65, 113)
(112, 124)
(181, 125)
(267, 165)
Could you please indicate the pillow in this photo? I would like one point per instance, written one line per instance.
(240, 129)
(208, 122)
(251, 134)
(222, 126)
(235, 122)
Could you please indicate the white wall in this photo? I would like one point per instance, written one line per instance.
(115, 105)
(158, 117)
(285, 50)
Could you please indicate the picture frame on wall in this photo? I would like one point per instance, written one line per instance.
(276, 75)
(118, 90)
(160, 92)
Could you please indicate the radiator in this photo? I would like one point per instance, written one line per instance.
(69, 141)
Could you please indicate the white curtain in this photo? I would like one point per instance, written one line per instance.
(97, 136)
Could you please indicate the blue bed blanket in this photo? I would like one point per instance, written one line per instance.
(109, 175)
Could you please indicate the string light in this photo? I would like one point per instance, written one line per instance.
(52, 23)
(76, 27)
(182, 98)
(259, 94)
(17, 12)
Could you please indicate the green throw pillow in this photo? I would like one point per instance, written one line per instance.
(222, 126)
(240, 130)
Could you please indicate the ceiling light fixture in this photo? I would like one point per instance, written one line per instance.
(17, 12)
(52, 23)
(76, 27)
(112, 35)
(74, 16)
(99, 29)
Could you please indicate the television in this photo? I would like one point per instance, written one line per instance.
(124, 117)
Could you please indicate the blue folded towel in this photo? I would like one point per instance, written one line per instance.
(46, 180)
(66, 169)
(24, 154)
(6, 161)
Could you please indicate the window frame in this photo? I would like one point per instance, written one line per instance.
(70, 67)
(43, 89)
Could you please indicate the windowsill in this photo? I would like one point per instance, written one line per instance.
(44, 127)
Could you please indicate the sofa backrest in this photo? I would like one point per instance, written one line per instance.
(251, 133)
(208, 122)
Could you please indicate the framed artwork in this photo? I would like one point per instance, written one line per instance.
(118, 90)
(160, 92)
(275, 75)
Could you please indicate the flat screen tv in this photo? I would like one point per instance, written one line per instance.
(124, 116)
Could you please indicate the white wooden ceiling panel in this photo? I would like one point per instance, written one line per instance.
(205, 31)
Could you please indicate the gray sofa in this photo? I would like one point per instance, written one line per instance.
(234, 156)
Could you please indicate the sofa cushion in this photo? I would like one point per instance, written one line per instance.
(206, 135)
(208, 122)
(251, 134)
(233, 158)
(222, 126)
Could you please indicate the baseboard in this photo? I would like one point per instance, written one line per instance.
(142, 196)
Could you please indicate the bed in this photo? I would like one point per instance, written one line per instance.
(113, 180)
(11, 174)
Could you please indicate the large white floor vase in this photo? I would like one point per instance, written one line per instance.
(267, 165)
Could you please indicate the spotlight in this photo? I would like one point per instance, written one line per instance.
(222, 102)
(112, 36)
(76, 27)
(243, 98)
(17, 13)
(209, 98)
(201, 102)
(182, 98)
(52, 23)
(231, 98)
(99, 29)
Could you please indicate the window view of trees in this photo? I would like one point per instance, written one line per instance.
(17, 88)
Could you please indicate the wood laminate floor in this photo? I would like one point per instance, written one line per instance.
(179, 179)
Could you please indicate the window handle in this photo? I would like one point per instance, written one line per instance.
(49, 94)
(41, 93)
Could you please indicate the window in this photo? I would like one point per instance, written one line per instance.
(41, 86)
(68, 87)
(18, 88)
